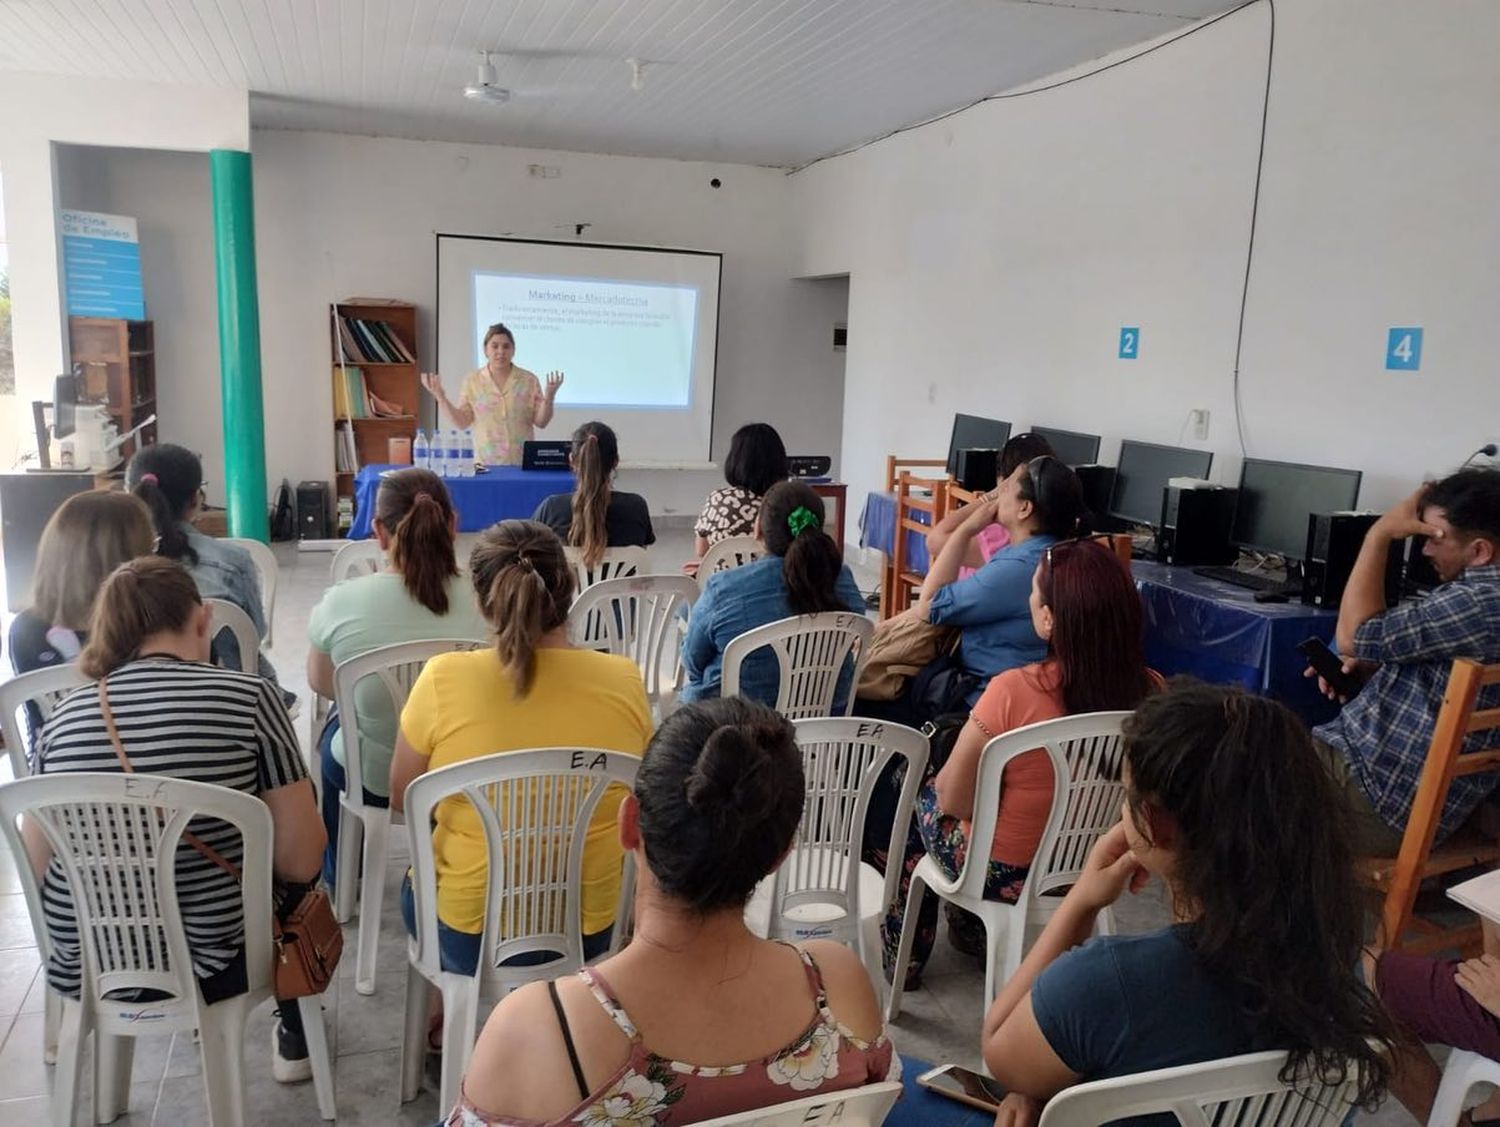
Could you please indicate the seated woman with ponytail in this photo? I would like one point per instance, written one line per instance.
(594, 516)
(179, 716)
(531, 689)
(697, 1018)
(803, 574)
(420, 595)
(170, 480)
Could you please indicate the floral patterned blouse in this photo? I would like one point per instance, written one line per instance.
(729, 511)
(652, 1091)
(504, 417)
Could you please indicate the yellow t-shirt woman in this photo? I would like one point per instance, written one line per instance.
(463, 706)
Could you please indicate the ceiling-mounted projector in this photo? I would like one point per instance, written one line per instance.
(486, 87)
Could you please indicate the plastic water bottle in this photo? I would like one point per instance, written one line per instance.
(420, 452)
(466, 452)
(454, 452)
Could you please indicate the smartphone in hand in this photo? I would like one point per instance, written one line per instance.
(1329, 666)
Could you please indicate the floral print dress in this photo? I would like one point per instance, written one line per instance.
(504, 417)
(651, 1091)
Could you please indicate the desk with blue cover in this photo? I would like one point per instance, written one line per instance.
(877, 529)
(499, 493)
(1217, 632)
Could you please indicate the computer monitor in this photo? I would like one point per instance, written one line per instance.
(1276, 498)
(972, 432)
(1142, 474)
(1071, 446)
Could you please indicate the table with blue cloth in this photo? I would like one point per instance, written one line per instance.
(495, 494)
(877, 529)
(1218, 632)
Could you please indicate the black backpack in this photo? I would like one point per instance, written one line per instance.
(283, 519)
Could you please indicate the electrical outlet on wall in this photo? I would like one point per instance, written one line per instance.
(1199, 419)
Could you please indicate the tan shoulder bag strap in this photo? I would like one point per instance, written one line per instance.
(129, 768)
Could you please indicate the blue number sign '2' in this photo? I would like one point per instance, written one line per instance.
(1403, 350)
(1130, 342)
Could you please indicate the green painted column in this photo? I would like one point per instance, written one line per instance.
(239, 344)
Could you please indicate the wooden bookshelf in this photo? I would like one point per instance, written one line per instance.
(395, 382)
(118, 360)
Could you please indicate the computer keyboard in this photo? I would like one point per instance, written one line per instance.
(1250, 580)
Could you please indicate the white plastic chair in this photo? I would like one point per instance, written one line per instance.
(822, 890)
(638, 617)
(268, 571)
(812, 650)
(110, 831)
(358, 557)
(1236, 1090)
(617, 563)
(1087, 792)
(856, 1107)
(227, 616)
(1462, 1071)
(41, 687)
(535, 807)
(727, 554)
(363, 830)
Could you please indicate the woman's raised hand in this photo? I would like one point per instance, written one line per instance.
(433, 383)
(554, 384)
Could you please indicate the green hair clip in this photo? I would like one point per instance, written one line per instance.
(800, 519)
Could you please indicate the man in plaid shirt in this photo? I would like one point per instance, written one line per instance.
(1378, 743)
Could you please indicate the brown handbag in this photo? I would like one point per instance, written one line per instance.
(308, 942)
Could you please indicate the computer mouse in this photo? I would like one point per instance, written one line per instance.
(1270, 597)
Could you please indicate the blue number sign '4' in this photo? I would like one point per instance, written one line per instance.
(1403, 350)
(1130, 342)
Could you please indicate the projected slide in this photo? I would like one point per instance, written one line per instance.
(621, 343)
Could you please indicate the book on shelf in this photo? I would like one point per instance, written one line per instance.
(345, 452)
(363, 341)
(353, 399)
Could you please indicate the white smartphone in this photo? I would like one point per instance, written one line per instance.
(966, 1087)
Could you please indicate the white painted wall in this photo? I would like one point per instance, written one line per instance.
(42, 111)
(339, 215)
(994, 256)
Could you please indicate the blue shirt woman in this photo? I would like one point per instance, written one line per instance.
(804, 574)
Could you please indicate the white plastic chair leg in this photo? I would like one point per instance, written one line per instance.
(65, 1079)
(414, 1037)
(460, 1012)
(908, 936)
(346, 871)
(113, 1058)
(1463, 1070)
(51, 1020)
(371, 899)
(221, 1040)
(317, 1051)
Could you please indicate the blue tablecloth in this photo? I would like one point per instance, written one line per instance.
(1218, 632)
(877, 529)
(499, 493)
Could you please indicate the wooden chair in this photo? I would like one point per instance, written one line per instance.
(1400, 877)
(913, 495)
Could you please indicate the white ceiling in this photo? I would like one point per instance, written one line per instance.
(774, 82)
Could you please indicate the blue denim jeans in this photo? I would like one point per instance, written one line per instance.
(333, 786)
(459, 950)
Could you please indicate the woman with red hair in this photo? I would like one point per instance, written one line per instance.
(1085, 606)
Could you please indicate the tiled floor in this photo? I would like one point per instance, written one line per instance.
(940, 1022)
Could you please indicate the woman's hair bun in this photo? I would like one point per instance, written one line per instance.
(720, 791)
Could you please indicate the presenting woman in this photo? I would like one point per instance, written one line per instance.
(503, 403)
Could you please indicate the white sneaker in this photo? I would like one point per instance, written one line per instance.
(290, 1063)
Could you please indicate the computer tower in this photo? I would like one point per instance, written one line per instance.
(1333, 542)
(978, 469)
(1420, 574)
(1098, 482)
(314, 513)
(1196, 526)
